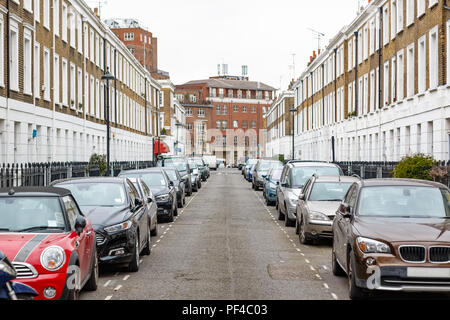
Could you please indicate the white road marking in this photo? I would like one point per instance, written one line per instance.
(307, 261)
(326, 286)
(335, 297)
(312, 268)
(107, 283)
(108, 298)
(118, 287)
(126, 277)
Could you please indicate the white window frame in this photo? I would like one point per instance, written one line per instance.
(433, 54)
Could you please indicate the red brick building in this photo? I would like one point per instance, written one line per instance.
(138, 40)
(232, 110)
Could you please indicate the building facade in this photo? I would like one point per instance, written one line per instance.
(52, 98)
(279, 124)
(380, 90)
(225, 116)
(138, 40)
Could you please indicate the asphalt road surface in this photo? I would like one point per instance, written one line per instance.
(226, 244)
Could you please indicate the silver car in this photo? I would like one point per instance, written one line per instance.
(317, 206)
(293, 179)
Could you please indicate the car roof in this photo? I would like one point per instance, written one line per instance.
(401, 182)
(35, 191)
(336, 179)
(89, 180)
(312, 164)
(158, 169)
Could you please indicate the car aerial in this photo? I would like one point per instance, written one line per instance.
(175, 177)
(119, 217)
(393, 235)
(246, 168)
(270, 185)
(49, 241)
(261, 170)
(318, 204)
(182, 165)
(162, 188)
(149, 199)
(202, 168)
(295, 175)
(195, 175)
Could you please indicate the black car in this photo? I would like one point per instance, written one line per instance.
(182, 165)
(119, 216)
(162, 188)
(180, 187)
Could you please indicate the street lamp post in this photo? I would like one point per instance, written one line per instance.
(107, 77)
(293, 111)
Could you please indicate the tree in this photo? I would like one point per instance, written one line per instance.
(98, 161)
(415, 167)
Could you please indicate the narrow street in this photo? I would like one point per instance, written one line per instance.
(226, 244)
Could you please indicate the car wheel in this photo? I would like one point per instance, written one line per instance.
(297, 227)
(154, 232)
(289, 222)
(302, 234)
(134, 264)
(355, 292)
(92, 284)
(335, 266)
(171, 215)
(175, 213)
(148, 247)
(281, 216)
(199, 184)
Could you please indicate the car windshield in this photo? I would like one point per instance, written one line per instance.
(199, 163)
(192, 164)
(266, 166)
(92, 194)
(404, 202)
(172, 175)
(300, 175)
(252, 162)
(276, 175)
(174, 163)
(31, 214)
(151, 179)
(329, 191)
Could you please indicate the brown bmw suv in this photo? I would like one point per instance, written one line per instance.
(393, 235)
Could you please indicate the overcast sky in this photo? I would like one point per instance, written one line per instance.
(196, 35)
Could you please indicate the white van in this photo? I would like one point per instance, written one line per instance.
(211, 161)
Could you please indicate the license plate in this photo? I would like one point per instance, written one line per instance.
(428, 273)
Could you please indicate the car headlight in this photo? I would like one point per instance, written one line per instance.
(6, 268)
(372, 246)
(164, 197)
(318, 216)
(119, 227)
(53, 258)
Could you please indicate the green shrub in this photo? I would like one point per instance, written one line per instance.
(415, 167)
(99, 161)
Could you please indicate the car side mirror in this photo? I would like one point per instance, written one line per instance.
(138, 203)
(192, 171)
(302, 197)
(149, 200)
(171, 184)
(80, 224)
(345, 210)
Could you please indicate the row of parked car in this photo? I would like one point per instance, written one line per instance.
(387, 234)
(53, 239)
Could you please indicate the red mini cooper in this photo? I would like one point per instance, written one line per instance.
(49, 241)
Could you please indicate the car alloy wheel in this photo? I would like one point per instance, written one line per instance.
(281, 216)
(355, 293)
(91, 285)
(148, 247)
(297, 228)
(134, 264)
(302, 235)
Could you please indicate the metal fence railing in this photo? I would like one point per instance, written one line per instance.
(42, 174)
(368, 170)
